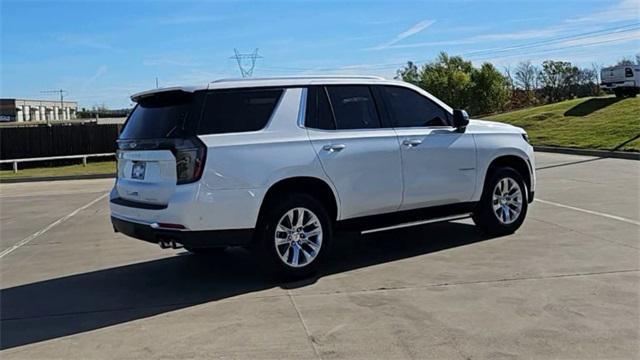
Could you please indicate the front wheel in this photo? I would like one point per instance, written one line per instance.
(503, 205)
(295, 235)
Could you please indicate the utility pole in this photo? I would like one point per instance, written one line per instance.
(156, 82)
(246, 62)
(59, 91)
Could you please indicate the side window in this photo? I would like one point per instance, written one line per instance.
(353, 107)
(407, 108)
(318, 114)
(238, 110)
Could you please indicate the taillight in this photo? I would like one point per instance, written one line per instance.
(190, 161)
(628, 72)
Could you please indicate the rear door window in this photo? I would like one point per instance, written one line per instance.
(353, 107)
(228, 111)
(159, 116)
(407, 108)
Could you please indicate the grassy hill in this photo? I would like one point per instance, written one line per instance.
(588, 123)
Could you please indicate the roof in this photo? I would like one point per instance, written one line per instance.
(291, 81)
(269, 82)
(609, 68)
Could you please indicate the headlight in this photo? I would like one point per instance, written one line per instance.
(526, 138)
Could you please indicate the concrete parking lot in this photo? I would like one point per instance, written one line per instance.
(565, 286)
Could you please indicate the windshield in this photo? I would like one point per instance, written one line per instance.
(159, 116)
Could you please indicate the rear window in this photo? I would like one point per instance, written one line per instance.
(238, 110)
(159, 116)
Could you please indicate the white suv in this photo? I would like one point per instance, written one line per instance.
(284, 163)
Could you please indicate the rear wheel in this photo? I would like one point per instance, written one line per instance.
(619, 93)
(295, 234)
(503, 205)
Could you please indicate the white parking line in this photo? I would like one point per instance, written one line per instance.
(614, 217)
(48, 227)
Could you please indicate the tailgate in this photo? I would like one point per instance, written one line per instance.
(147, 176)
(613, 75)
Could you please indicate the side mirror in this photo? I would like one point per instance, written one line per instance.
(460, 119)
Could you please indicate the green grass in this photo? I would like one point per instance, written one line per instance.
(586, 123)
(102, 167)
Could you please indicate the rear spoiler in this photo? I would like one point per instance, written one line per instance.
(138, 96)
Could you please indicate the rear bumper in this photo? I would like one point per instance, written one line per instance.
(619, 85)
(193, 239)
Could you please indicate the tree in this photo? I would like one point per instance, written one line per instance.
(555, 78)
(525, 75)
(638, 59)
(510, 81)
(448, 78)
(489, 90)
(597, 69)
(625, 61)
(457, 83)
(409, 73)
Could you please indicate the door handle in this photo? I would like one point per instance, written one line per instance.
(411, 142)
(334, 147)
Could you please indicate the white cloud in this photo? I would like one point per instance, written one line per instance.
(521, 35)
(414, 29)
(502, 36)
(170, 60)
(188, 19)
(99, 72)
(85, 40)
(623, 11)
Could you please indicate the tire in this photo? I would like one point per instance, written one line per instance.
(512, 209)
(619, 93)
(311, 242)
(206, 251)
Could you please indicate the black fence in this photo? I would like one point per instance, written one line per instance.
(57, 140)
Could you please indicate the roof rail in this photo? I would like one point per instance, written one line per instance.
(302, 77)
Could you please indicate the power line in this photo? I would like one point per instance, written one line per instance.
(563, 48)
(601, 32)
(62, 92)
(531, 45)
(246, 70)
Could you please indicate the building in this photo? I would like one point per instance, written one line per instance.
(37, 110)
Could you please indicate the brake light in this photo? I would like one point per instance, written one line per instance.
(190, 162)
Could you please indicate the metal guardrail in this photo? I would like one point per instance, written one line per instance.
(83, 157)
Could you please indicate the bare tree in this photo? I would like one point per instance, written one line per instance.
(536, 79)
(597, 69)
(525, 75)
(507, 74)
(625, 61)
(638, 59)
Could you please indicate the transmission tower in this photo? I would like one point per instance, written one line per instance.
(246, 62)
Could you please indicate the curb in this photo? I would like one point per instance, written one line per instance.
(586, 152)
(56, 178)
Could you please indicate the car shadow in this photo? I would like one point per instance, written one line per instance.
(75, 304)
(592, 105)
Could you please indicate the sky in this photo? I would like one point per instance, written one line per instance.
(101, 52)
